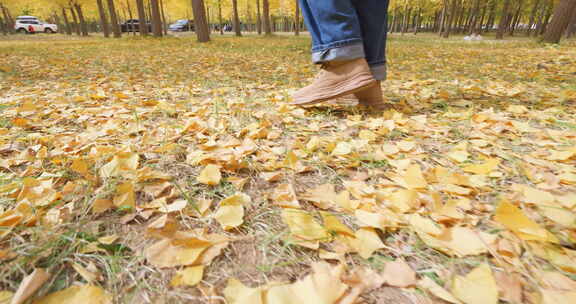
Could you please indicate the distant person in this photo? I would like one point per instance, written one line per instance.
(349, 41)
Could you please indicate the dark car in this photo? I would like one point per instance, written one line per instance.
(133, 25)
(182, 26)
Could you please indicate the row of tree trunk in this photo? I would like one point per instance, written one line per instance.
(479, 16)
(455, 17)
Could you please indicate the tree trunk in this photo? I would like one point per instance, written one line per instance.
(129, 10)
(156, 19)
(103, 19)
(474, 18)
(517, 17)
(220, 17)
(406, 17)
(258, 18)
(83, 25)
(7, 18)
(503, 20)
(560, 21)
(297, 19)
(200, 21)
(442, 25)
(75, 19)
(163, 15)
(142, 23)
(546, 19)
(531, 23)
(236, 19)
(451, 18)
(266, 16)
(68, 27)
(114, 19)
(572, 27)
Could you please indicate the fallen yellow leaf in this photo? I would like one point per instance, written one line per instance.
(477, 287)
(86, 294)
(515, 220)
(188, 276)
(210, 175)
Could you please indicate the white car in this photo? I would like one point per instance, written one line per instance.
(29, 24)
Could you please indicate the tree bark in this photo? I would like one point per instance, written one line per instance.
(474, 18)
(442, 25)
(503, 20)
(7, 18)
(572, 27)
(103, 19)
(200, 21)
(546, 19)
(297, 19)
(451, 18)
(83, 25)
(518, 17)
(406, 17)
(129, 9)
(236, 20)
(143, 25)
(163, 15)
(531, 23)
(3, 26)
(68, 27)
(156, 19)
(560, 21)
(266, 16)
(75, 19)
(258, 18)
(114, 19)
(220, 17)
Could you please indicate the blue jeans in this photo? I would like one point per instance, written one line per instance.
(348, 29)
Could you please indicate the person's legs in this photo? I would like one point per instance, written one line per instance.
(373, 19)
(338, 46)
(335, 30)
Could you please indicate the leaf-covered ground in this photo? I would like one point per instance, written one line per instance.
(165, 171)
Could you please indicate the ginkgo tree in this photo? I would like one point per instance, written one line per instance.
(445, 17)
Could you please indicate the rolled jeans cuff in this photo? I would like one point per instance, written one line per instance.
(379, 71)
(347, 50)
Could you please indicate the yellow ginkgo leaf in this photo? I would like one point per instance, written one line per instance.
(342, 148)
(303, 225)
(333, 224)
(459, 153)
(367, 242)
(230, 213)
(79, 166)
(483, 169)
(551, 296)
(477, 287)
(87, 294)
(188, 276)
(419, 223)
(210, 175)
(437, 290)
(125, 195)
(6, 297)
(413, 178)
(515, 220)
(121, 162)
(237, 293)
(538, 197)
(399, 274)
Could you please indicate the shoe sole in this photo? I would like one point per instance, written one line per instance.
(342, 94)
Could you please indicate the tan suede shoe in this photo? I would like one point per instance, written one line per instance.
(335, 80)
(370, 97)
